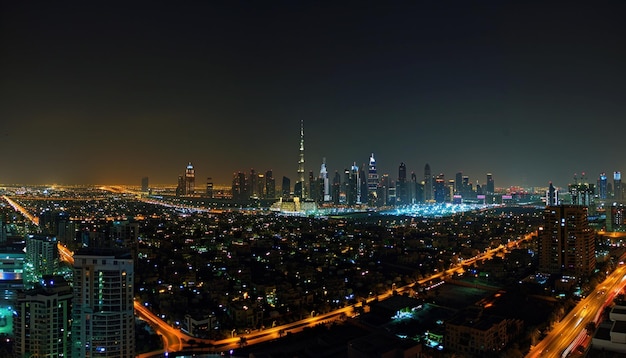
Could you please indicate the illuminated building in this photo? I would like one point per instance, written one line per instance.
(240, 186)
(186, 182)
(324, 182)
(300, 193)
(41, 256)
(372, 180)
(253, 184)
(42, 323)
(336, 192)
(103, 322)
(566, 242)
(270, 185)
(552, 196)
(313, 192)
(477, 334)
(428, 184)
(440, 189)
(490, 187)
(458, 180)
(602, 186)
(209, 187)
(617, 186)
(190, 179)
(581, 192)
(402, 194)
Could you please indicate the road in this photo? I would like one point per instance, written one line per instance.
(566, 334)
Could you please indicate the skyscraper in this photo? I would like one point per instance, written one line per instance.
(458, 182)
(617, 185)
(552, 196)
(324, 182)
(144, 184)
(302, 194)
(440, 189)
(602, 188)
(428, 184)
(490, 188)
(402, 194)
(286, 187)
(270, 185)
(372, 180)
(190, 180)
(336, 191)
(566, 242)
(103, 322)
(209, 187)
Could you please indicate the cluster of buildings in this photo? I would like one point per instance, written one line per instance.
(50, 308)
(352, 186)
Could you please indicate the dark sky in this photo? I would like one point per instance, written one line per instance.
(107, 92)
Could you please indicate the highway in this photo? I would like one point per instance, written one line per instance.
(567, 334)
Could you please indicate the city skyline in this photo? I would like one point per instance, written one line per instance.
(105, 94)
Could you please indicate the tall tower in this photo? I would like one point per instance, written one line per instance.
(301, 159)
(372, 180)
(428, 184)
(190, 180)
(103, 322)
(324, 181)
(566, 242)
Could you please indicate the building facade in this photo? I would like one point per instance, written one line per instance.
(103, 323)
(566, 241)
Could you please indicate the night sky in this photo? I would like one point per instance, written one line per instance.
(107, 92)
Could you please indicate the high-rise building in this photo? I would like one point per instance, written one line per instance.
(103, 323)
(313, 192)
(617, 185)
(466, 186)
(428, 184)
(190, 180)
(490, 187)
(382, 192)
(602, 186)
(42, 323)
(301, 192)
(270, 185)
(209, 187)
(324, 182)
(458, 180)
(253, 180)
(286, 187)
(41, 256)
(566, 241)
(402, 194)
(336, 191)
(144, 184)
(240, 186)
(372, 180)
(552, 196)
(440, 189)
